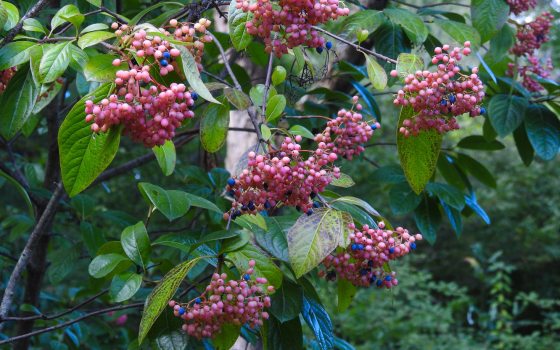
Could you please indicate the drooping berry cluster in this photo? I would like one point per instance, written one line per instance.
(286, 177)
(438, 97)
(149, 111)
(362, 262)
(5, 76)
(286, 24)
(530, 38)
(518, 6)
(225, 301)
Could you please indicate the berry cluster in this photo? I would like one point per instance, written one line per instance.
(5, 76)
(225, 301)
(149, 111)
(518, 6)
(438, 97)
(286, 24)
(530, 38)
(285, 177)
(362, 262)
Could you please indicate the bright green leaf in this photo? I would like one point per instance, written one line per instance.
(104, 264)
(190, 69)
(166, 157)
(237, 27)
(100, 68)
(275, 107)
(93, 38)
(264, 267)
(346, 292)
(411, 23)
(124, 286)
(214, 127)
(54, 62)
(171, 203)
(488, 17)
(376, 73)
(136, 243)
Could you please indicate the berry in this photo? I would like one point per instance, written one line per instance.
(5, 76)
(166, 55)
(181, 310)
(246, 277)
(194, 96)
(518, 6)
(328, 45)
(231, 182)
(319, 49)
(164, 63)
(482, 110)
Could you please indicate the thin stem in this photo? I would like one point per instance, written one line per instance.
(115, 15)
(267, 82)
(226, 63)
(357, 47)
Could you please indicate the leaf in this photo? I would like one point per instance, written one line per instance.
(160, 296)
(543, 130)
(274, 107)
(273, 239)
(501, 43)
(200, 202)
(93, 38)
(343, 181)
(402, 199)
(302, 131)
(506, 113)
(100, 68)
(15, 53)
(32, 25)
(94, 27)
(54, 62)
(459, 32)
(51, 90)
(136, 244)
(124, 286)
(171, 341)
(237, 98)
(428, 218)
(4, 16)
(478, 142)
(346, 292)
(472, 203)
(214, 127)
(264, 266)
(376, 73)
(524, 147)
(104, 264)
(363, 19)
(418, 154)
(166, 157)
(21, 191)
(265, 132)
(93, 240)
(283, 336)
(488, 17)
(319, 321)
(68, 13)
(286, 302)
(237, 27)
(411, 23)
(192, 74)
(390, 174)
(476, 169)
(227, 336)
(171, 203)
(360, 203)
(84, 155)
(314, 237)
(454, 217)
(408, 63)
(17, 102)
(448, 194)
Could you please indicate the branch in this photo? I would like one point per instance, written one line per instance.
(37, 232)
(115, 15)
(226, 63)
(267, 82)
(33, 11)
(71, 322)
(357, 47)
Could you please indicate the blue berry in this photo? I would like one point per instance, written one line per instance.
(354, 246)
(194, 96)
(166, 55)
(267, 205)
(388, 278)
(328, 45)
(373, 127)
(482, 110)
(391, 250)
(412, 245)
(443, 102)
(181, 310)
(197, 300)
(379, 283)
(316, 204)
(309, 212)
(231, 193)
(364, 272)
(319, 49)
(370, 263)
(246, 277)
(452, 98)
(231, 182)
(251, 205)
(164, 63)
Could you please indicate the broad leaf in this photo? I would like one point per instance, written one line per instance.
(93, 38)
(104, 264)
(136, 243)
(274, 107)
(237, 21)
(448, 194)
(287, 301)
(488, 17)
(227, 337)
(68, 13)
(100, 68)
(283, 336)
(428, 218)
(476, 169)
(237, 98)
(412, 24)
(343, 181)
(264, 266)
(190, 69)
(200, 202)
(17, 102)
(346, 292)
(408, 63)
(543, 130)
(319, 321)
(506, 113)
(376, 73)
(478, 142)
(214, 127)
(54, 62)
(171, 203)
(166, 157)
(402, 199)
(15, 53)
(124, 286)
(459, 32)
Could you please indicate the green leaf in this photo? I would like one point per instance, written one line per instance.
(32, 25)
(54, 62)
(390, 174)
(237, 27)
(68, 13)
(171, 203)
(4, 16)
(314, 237)
(200, 202)
(448, 194)
(360, 203)
(459, 32)
(15, 53)
(265, 132)
(274, 107)
(428, 218)
(524, 147)
(84, 155)
(227, 337)
(124, 286)
(376, 73)
(411, 23)
(286, 302)
(136, 243)
(454, 217)
(94, 27)
(172, 340)
(478, 142)
(21, 191)
(418, 154)
(51, 90)
(346, 292)
(543, 130)
(319, 321)
(402, 199)
(190, 68)
(100, 68)
(501, 43)
(93, 240)
(257, 94)
(363, 19)
(279, 75)
(408, 63)
(488, 17)
(273, 239)
(160, 296)
(62, 263)
(506, 113)
(237, 98)
(17, 102)
(12, 15)
(302, 131)
(264, 266)
(93, 38)
(166, 157)
(214, 127)
(104, 264)
(283, 336)
(476, 169)
(343, 181)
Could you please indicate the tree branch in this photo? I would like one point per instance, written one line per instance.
(33, 11)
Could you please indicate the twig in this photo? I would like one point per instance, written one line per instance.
(357, 47)
(115, 15)
(267, 82)
(372, 162)
(33, 11)
(381, 144)
(226, 63)
(37, 232)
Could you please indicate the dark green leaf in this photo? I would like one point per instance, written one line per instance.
(489, 16)
(264, 266)
(448, 194)
(190, 69)
(428, 218)
(287, 301)
(124, 286)
(166, 157)
(412, 24)
(524, 147)
(104, 264)
(506, 113)
(543, 130)
(476, 169)
(478, 142)
(136, 243)
(346, 292)
(15, 53)
(17, 102)
(227, 337)
(402, 199)
(459, 32)
(171, 203)
(283, 336)
(214, 127)
(319, 321)
(454, 217)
